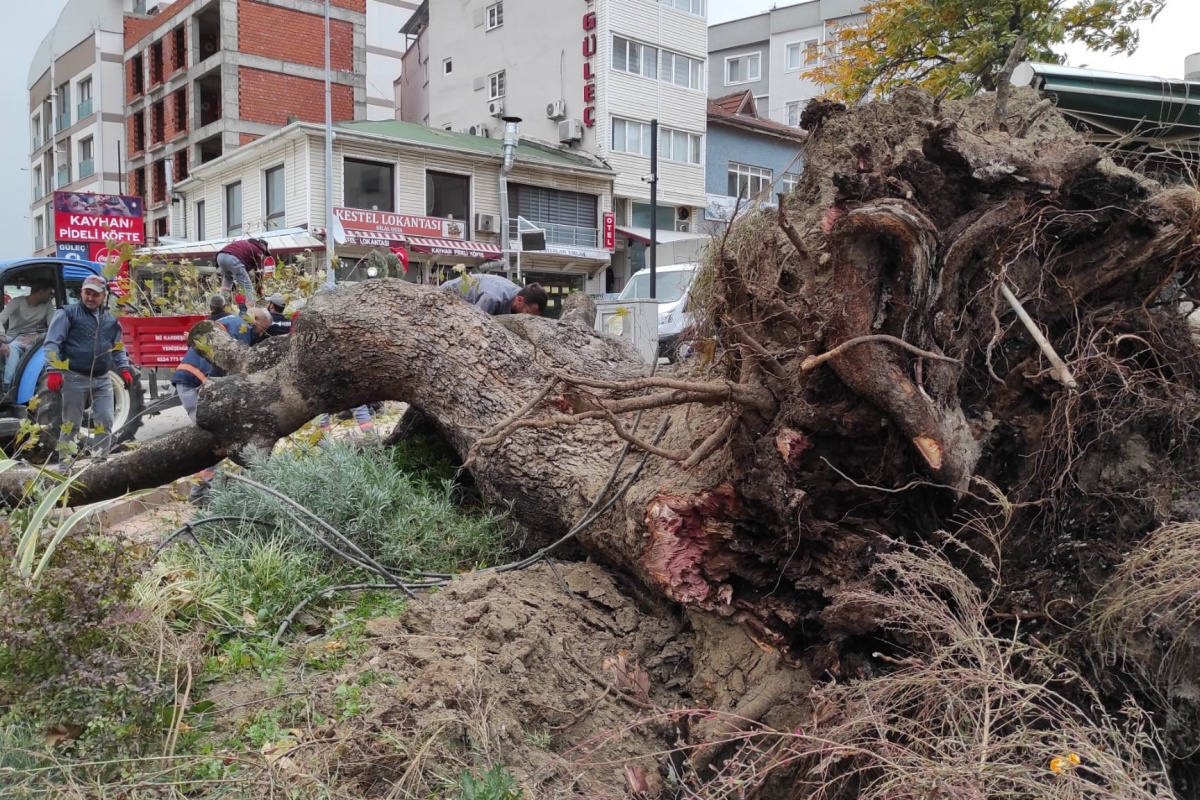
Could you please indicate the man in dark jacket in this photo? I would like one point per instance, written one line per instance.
(81, 348)
(237, 260)
(216, 307)
(281, 324)
(195, 370)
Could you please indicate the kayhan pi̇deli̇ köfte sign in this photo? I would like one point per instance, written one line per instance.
(99, 218)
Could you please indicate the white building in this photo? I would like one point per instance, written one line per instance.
(76, 110)
(773, 54)
(585, 77)
(431, 195)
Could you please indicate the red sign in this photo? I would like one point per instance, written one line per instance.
(610, 230)
(383, 227)
(268, 266)
(83, 217)
(589, 76)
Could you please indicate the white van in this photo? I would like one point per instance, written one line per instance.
(673, 283)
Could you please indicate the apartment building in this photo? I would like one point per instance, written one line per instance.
(428, 195)
(385, 55)
(204, 77)
(771, 55)
(584, 77)
(76, 112)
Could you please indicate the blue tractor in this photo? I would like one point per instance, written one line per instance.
(66, 276)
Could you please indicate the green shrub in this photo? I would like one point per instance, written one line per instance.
(402, 511)
(495, 784)
(63, 654)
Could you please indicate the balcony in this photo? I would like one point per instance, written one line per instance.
(64, 121)
(83, 110)
(39, 242)
(38, 193)
(562, 235)
(37, 143)
(87, 167)
(64, 177)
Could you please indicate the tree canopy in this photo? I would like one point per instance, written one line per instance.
(958, 47)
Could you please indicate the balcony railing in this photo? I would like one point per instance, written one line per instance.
(64, 121)
(64, 177)
(562, 235)
(39, 242)
(37, 142)
(37, 191)
(87, 167)
(84, 110)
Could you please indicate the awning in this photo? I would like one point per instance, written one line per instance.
(453, 247)
(664, 237)
(286, 242)
(370, 239)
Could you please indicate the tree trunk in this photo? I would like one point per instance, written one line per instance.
(860, 378)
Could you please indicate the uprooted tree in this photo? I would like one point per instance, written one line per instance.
(862, 377)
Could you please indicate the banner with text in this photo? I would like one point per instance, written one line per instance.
(83, 217)
(382, 228)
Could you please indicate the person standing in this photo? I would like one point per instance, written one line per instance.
(237, 260)
(81, 348)
(281, 324)
(23, 320)
(497, 295)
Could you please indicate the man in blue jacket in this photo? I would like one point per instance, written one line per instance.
(81, 347)
(195, 370)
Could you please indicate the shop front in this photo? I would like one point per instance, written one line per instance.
(426, 246)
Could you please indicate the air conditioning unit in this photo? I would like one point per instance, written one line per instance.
(556, 110)
(683, 226)
(486, 223)
(496, 108)
(683, 213)
(478, 130)
(570, 130)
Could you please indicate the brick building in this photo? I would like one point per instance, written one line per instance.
(203, 77)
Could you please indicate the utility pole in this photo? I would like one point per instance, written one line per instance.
(653, 209)
(330, 222)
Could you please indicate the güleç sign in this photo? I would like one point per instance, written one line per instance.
(589, 74)
(382, 227)
(98, 218)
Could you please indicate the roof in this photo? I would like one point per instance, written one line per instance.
(1160, 115)
(740, 111)
(529, 151)
(281, 242)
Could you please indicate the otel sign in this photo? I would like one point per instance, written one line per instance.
(589, 75)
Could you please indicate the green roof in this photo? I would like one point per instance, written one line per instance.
(528, 151)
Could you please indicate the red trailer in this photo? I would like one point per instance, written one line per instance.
(157, 343)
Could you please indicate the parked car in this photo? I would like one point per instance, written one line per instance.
(673, 283)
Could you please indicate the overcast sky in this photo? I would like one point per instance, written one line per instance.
(1164, 45)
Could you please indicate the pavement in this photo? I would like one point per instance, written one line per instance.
(168, 421)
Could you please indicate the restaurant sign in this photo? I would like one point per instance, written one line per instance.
(383, 228)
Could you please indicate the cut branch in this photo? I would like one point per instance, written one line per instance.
(812, 362)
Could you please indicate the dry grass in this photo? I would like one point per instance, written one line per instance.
(1146, 615)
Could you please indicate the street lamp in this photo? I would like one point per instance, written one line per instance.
(330, 222)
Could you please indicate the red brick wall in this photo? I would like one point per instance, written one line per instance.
(131, 71)
(130, 138)
(353, 5)
(177, 123)
(136, 29)
(275, 32)
(272, 97)
(246, 138)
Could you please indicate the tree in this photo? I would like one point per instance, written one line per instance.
(958, 47)
(868, 376)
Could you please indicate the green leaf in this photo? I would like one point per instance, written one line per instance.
(71, 522)
(59, 363)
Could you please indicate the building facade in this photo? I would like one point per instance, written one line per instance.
(584, 77)
(429, 195)
(385, 55)
(76, 111)
(750, 159)
(772, 54)
(204, 77)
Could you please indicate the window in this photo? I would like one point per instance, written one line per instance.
(201, 227)
(788, 181)
(36, 125)
(63, 98)
(87, 154)
(794, 109)
(137, 78)
(495, 16)
(803, 54)
(635, 58)
(273, 190)
(37, 182)
(139, 132)
(447, 66)
(746, 181)
(39, 233)
(742, 69)
(569, 218)
(367, 184)
(179, 48)
(630, 137)
(64, 165)
(85, 99)
(233, 209)
(690, 6)
(496, 85)
(447, 195)
(679, 146)
(156, 63)
(682, 71)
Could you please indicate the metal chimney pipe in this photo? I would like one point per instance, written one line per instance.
(512, 137)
